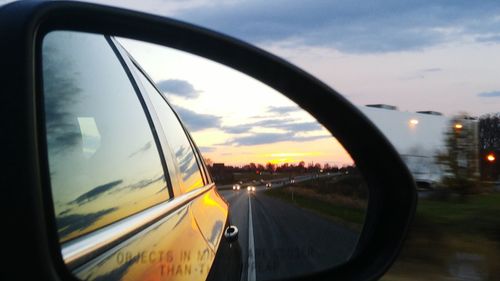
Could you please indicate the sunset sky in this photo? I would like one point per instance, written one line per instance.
(234, 118)
(417, 55)
(426, 55)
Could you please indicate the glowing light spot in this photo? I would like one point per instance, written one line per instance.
(491, 157)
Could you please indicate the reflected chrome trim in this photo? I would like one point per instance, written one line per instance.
(105, 237)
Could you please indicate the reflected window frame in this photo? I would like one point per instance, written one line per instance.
(143, 110)
(175, 176)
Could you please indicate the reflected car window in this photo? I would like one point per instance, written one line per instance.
(187, 167)
(103, 160)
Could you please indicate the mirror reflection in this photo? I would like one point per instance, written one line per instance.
(102, 169)
(293, 191)
(132, 116)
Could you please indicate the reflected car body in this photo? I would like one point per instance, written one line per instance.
(166, 227)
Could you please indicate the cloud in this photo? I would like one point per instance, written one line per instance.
(239, 129)
(159, 7)
(421, 73)
(144, 148)
(95, 192)
(302, 127)
(351, 26)
(187, 162)
(3, 2)
(71, 223)
(433, 69)
(488, 38)
(493, 94)
(181, 88)
(145, 183)
(198, 121)
(310, 138)
(261, 138)
(268, 138)
(290, 130)
(287, 124)
(268, 123)
(282, 109)
(206, 149)
(65, 212)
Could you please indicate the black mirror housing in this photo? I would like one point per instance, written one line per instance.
(25, 203)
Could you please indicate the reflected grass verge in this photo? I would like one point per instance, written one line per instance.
(315, 196)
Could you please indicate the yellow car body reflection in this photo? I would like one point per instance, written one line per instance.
(181, 246)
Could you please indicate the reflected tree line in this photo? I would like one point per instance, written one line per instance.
(221, 171)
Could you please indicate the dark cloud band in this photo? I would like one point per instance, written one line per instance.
(354, 26)
(179, 88)
(493, 94)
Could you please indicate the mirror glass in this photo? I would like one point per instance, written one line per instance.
(117, 157)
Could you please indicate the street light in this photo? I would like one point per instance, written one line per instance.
(458, 126)
(413, 122)
(491, 157)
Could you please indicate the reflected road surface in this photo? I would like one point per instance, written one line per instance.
(280, 240)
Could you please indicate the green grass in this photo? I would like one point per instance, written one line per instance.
(442, 229)
(340, 213)
(474, 215)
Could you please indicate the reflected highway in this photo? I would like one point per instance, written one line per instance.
(280, 240)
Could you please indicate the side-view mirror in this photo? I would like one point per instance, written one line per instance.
(144, 148)
(231, 234)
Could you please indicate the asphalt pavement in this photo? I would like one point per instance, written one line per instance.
(280, 240)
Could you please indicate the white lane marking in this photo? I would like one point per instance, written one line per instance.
(251, 246)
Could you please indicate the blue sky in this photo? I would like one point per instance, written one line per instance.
(416, 55)
(353, 26)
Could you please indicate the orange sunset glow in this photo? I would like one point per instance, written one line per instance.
(233, 118)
